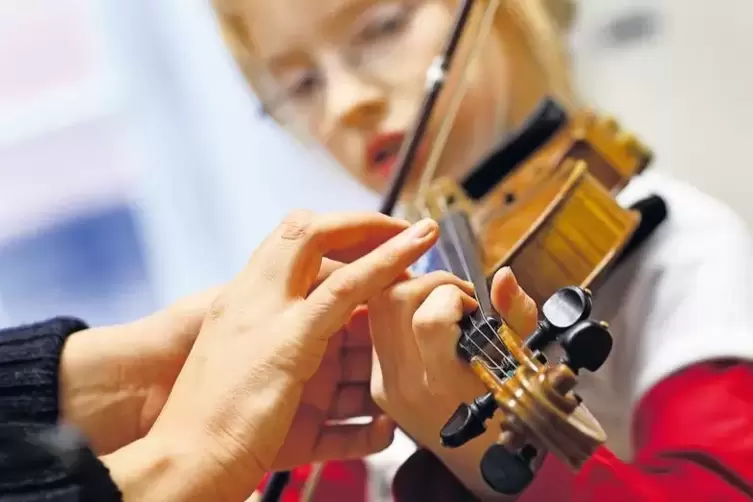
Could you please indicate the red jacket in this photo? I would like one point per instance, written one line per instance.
(693, 441)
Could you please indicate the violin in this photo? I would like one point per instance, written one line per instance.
(543, 204)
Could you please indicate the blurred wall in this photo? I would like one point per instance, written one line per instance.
(231, 175)
(680, 74)
(69, 241)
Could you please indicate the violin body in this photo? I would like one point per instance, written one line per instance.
(553, 218)
(548, 139)
(568, 230)
(613, 155)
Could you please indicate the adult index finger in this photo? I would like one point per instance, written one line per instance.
(292, 256)
(333, 301)
(328, 266)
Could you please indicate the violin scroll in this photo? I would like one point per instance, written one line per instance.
(562, 312)
(537, 407)
(535, 401)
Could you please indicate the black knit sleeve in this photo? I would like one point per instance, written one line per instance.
(29, 369)
(50, 463)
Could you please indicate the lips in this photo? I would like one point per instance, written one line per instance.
(382, 152)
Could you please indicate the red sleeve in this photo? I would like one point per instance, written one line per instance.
(342, 480)
(693, 441)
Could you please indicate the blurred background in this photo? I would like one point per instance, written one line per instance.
(134, 168)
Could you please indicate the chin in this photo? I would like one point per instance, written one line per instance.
(380, 185)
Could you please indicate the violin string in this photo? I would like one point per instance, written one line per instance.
(455, 237)
(439, 144)
(507, 358)
(491, 361)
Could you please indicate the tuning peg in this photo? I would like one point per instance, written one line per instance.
(587, 345)
(506, 472)
(468, 421)
(563, 310)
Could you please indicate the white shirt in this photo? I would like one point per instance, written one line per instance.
(685, 296)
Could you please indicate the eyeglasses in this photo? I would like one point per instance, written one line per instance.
(371, 48)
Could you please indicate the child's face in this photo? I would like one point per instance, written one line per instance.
(354, 70)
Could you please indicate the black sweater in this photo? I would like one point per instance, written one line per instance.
(41, 460)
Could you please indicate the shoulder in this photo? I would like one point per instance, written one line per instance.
(699, 229)
(684, 297)
(702, 250)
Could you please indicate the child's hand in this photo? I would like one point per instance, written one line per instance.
(418, 378)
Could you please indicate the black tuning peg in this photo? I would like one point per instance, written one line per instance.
(587, 345)
(563, 310)
(506, 472)
(468, 421)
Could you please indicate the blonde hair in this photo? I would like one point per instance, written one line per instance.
(544, 26)
(537, 47)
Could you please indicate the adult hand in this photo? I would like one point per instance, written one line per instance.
(338, 392)
(115, 380)
(241, 388)
(418, 379)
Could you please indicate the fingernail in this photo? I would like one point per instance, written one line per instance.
(422, 229)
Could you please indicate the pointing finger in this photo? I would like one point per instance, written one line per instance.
(368, 276)
(291, 257)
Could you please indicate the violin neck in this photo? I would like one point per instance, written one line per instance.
(460, 249)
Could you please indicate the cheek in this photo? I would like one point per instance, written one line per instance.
(404, 72)
(486, 104)
(347, 148)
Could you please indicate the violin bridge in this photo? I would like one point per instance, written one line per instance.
(443, 196)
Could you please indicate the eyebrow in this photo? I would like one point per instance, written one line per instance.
(351, 9)
(287, 59)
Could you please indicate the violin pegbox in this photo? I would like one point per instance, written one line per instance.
(535, 402)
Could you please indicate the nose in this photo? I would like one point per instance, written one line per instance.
(354, 102)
